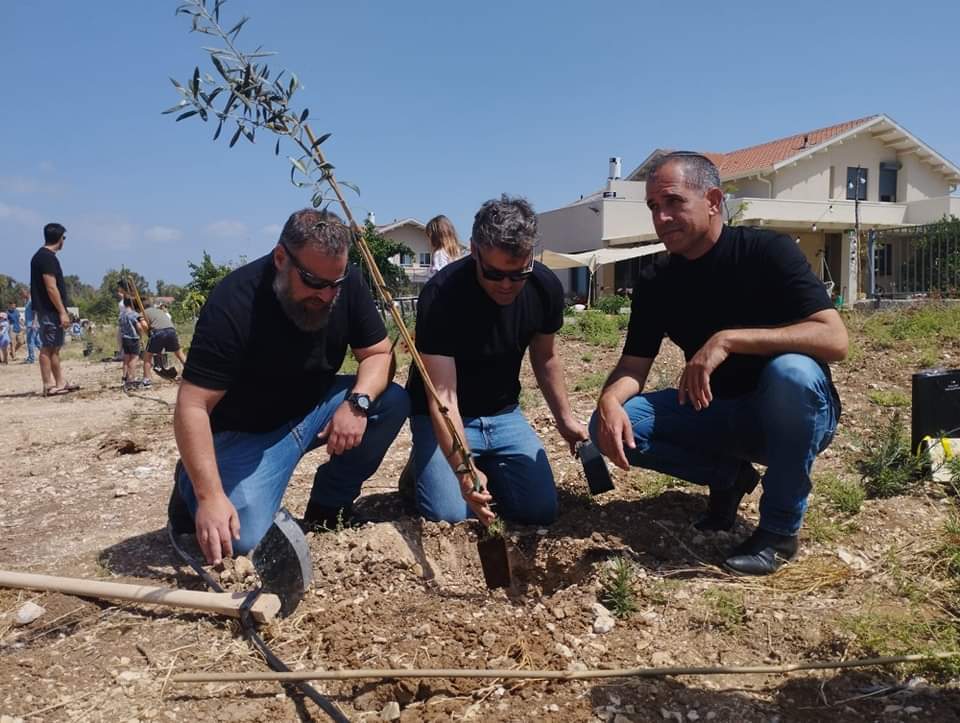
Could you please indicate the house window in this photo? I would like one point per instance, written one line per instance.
(856, 184)
(424, 259)
(406, 259)
(888, 182)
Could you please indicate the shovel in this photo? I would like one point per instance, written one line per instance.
(594, 468)
(263, 609)
(281, 558)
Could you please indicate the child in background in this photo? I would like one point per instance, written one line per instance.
(4, 337)
(130, 326)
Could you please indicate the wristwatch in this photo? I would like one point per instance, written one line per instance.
(360, 402)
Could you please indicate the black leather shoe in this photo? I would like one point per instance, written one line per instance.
(762, 553)
(177, 511)
(320, 518)
(723, 504)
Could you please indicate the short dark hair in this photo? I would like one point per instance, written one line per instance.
(322, 229)
(699, 172)
(52, 233)
(128, 302)
(508, 223)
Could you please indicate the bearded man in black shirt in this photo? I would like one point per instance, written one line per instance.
(260, 389)
(757, 330)
(475, 319)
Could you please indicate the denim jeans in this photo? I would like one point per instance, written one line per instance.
(255, 468)
(784, 423)
(506, 450)
(33, 344)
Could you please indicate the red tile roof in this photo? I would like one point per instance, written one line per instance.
(736, 163)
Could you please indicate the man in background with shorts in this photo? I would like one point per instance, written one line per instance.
(163, 338)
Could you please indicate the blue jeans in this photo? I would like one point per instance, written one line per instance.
(255, 468)
(784, 423)
(33, 344)
(506, 450)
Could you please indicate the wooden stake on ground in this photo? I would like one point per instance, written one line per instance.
(263, 610)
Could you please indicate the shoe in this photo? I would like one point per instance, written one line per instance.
(320, 518)
(763, 553)
(181, 521)
(146, 384)
(723, 504)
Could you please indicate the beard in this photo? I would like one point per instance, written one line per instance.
(306, 315)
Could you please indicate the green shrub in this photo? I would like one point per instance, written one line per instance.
(889, 467)
(617, 594)
(845, 496)
(888, 398)
(599, 329)
(611, 304)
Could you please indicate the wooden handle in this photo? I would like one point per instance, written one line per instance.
(264, 608)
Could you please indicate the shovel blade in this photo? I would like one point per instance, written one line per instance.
(494, 561)
(282, 560)
(594, 468)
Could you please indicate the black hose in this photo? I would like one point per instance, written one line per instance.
(249, 629)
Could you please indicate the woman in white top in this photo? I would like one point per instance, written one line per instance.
(444, 242)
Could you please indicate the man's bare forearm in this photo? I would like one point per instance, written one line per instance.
(191, 426)
(549, 374)
(825, 340)
(622, 384)
(373, 374)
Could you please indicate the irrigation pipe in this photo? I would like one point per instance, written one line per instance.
(392, 674)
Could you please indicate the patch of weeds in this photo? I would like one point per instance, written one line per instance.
(591, 381)
(660, 591)
(612, 304)
(929, 357)
(727, 609)
(854, 353)
(889, 468)
(845, 496)
(820, 528)
(599, 329)
(349, 365)
(904, 632)
(888, 398)
(653, 487)
(527, 399)
(570, 327)
(623, 321)
(587, 358)
(617, 594)
(950, 547)
(497, 528)
(585, 499)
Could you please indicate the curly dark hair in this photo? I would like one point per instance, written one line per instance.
(508, 223)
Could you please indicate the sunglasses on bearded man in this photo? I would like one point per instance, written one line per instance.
(311, 279)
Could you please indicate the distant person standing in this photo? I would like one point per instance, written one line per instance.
(130, 325)
(163, 338)
(16, 330)
(33, 331)
(50, 306)
(4, 337)
(444, 243)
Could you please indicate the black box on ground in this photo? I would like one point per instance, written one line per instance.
(936, 405)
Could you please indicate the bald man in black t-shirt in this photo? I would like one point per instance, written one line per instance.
(757, 330)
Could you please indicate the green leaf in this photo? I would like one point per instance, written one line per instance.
(236, 28)
(303, 116)
(219, 128)
(351, 186)
(298, 165)
(236, 136)
(176, 84)
(320, 140)
(196, 81)
(276, 151)
(186, 115)
(220, 67)
(175, 108)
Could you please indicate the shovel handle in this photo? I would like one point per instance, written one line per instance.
(264, 608)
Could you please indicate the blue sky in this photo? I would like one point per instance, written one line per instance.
(434, 107)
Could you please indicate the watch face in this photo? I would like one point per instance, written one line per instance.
(362, 401)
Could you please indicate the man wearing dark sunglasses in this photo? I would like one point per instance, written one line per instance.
(475, 320)
(260, 389)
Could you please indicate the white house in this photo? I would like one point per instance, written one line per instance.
(819, 186)
(411, 232)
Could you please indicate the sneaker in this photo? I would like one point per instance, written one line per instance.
(146, 383)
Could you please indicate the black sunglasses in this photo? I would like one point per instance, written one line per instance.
(310, 279)
(497, 275)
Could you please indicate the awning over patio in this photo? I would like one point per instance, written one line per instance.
(598, 257)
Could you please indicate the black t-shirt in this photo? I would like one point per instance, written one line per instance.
(43, 262)
(273, 372)
(456, 318)
(750, 278)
